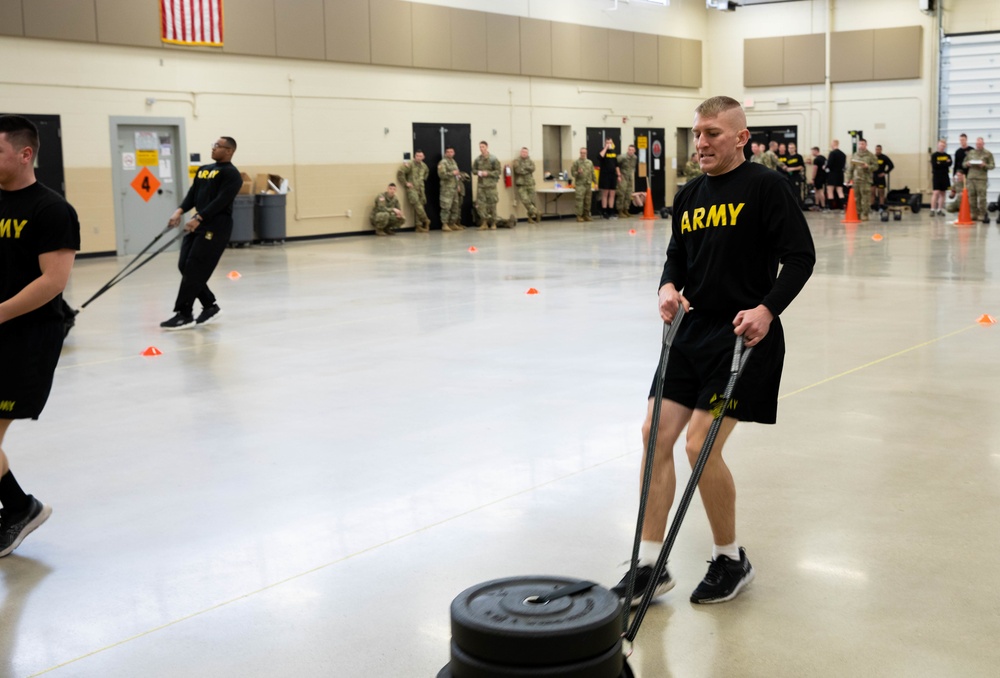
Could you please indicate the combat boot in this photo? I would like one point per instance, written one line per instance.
(446, 228)
(586, 217)
(493, 225)
(624, 214)
(580, 219)
(484, 226)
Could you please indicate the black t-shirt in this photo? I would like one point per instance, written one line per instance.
(793, 162)
(960, 158)
(836, 161)
(730, 233)
(609, 164)
(819, 162)
(33, 221)
(940, 164)
(213, 191)
(885, 165)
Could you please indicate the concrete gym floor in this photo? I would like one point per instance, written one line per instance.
(375, 424)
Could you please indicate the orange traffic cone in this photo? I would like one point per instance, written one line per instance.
(152, 350)
(473, 249)
(986, 319)
(647, 209)
(877, 237)
(531, 290)
(234, 275)
(851, 216)
(964, 212)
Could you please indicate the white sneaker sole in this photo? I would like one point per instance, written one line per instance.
(28, 529)
(179, 327)
(736, 591)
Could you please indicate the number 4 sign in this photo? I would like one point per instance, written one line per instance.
(145, 184)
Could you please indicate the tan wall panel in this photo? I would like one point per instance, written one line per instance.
(468, 40)
(594, 53)
(621, 56)
(851, 56)
(691, 63)
(669, 60)
(392, 32)
(804, 59)
(647, 58)
(249, 28)
(536, 47)
(566, 51)
(11, 18)
(91, 192)
(348, 31)
(300, 29)
(503, 44)
(763, 62)
(60, 19)
(125, 22)
(896, 53)
(431, 36)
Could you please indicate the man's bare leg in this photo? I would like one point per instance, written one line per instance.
(718, 491)
(663, 482)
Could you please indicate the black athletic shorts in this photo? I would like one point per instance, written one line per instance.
(941, 182)
(700, 361)
(29, 354)
(835, 178)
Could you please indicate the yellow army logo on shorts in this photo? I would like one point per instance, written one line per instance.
(11, 228)
(207, 174)
(208, 235)
(716, 403)
(7, 405)
(716, 215)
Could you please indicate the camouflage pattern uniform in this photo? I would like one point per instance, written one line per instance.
(383, 217)
(692, 169)
(451, 195)
(975, 178)
(415, 173)
(862, 177)
(486, 189)
(626, 187)
(582, 172)
(524, 180)
(770, 160)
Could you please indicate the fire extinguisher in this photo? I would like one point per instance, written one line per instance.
(507, 176)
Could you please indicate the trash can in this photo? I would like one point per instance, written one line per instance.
(269, 217)
(242, 221)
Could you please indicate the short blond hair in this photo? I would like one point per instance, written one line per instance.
(709, 108)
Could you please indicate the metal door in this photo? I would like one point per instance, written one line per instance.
(432, 138)
(655, 157)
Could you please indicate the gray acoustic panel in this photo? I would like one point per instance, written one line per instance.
(348, 31)
(691, 74)
(594, 54)
(503, 44)
(126, 22)
(392, 32)
(763, 62)
(646, 59)
(468, 40)
(60, 19)
(248, 28)
(851, 56)
(804, 59)
(536, 47)
(300, 29)
(669, 60)
(566, 51)
(896, 52)
(11, 18)
(621, 56)
(431, 36)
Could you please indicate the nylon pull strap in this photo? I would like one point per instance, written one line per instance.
(568, 590)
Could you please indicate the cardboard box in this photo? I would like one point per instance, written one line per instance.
(270, 183)
(247, 187)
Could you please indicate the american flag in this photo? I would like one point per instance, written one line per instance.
(191, 22)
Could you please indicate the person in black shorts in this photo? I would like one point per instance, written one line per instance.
(731, 229)
(212, 194)
(819, 177)
(940, 176)
(39, 237)
(881, 178)
(607, 181)
(836, 161)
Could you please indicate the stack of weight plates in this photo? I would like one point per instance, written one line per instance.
(499, 629)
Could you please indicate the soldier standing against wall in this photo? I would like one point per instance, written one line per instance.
(451, 200)
(524, 181)
(386, 214)
(978, 162)
(860, 170)
(412, 177)
(582, 171)
(693, 168)
(835, 163)
(487, 168)
(626, 184)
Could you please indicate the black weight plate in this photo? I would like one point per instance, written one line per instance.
(915, 203)
(608, 664)
(898, 216)
(494, 622)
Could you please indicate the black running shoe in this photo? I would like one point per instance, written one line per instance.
(178, 322)
(725, 579)
(208, 315)
(643, 575)
(13, 529)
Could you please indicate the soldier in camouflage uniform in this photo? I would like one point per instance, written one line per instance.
(582, 172)
(451, 192)
(386, 214)
(411, 177)
(524, 180)
(487, 168)
(978, 162)
(626, 187)
(859, 170)
(692, 168)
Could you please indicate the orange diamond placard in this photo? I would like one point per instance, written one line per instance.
(145, 183)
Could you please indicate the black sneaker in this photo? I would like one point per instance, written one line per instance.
(725, 579)
(208, 315)
(643, 575)
(178, 322)
(13, 529)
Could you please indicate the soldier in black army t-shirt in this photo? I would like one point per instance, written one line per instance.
(214, 189)
(39, 236)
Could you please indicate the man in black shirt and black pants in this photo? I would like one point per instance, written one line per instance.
(39, 237)
(836, 161)
(731, 229)
(214, 189)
